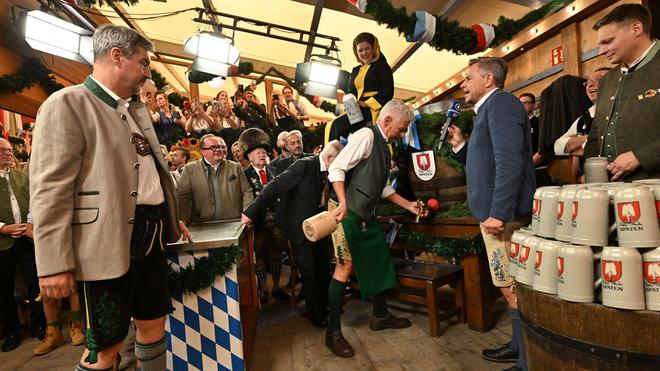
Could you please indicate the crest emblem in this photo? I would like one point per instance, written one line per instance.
(611, 270)
(560, 265)
(575, 211)
(424, 164)
(560, 209)
(513, 249)
(628, 212)
(524, 254)
(536, 209)
(652, 272)
(539, 257)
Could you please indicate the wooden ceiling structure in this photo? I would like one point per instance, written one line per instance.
(421, 73)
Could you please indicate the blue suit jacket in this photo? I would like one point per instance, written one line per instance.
(499, 168)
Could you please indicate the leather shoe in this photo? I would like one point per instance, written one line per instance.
(12, 341)
(335, 341)
(500, 354)
(378, 324)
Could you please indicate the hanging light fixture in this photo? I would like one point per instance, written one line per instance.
(321, 74)
(214, 53)
(55, 36)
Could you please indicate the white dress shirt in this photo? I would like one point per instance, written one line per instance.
(15, 208)
(560, 143)
(358, 148)
(150, 192)
(483, 99)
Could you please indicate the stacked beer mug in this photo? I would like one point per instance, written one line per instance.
(593, 238)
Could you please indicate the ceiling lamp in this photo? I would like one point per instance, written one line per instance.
(52, 35)
(322, 75)
(214, 52)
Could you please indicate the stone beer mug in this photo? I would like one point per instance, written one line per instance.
(547, 219)
(526, 260)
(517, 240)
(636, 217)
(545, 267)
(621, 270)
(590, 217)
(595, 170)
(564, 211)
(575, 273)
(536, 210)
(651, 270)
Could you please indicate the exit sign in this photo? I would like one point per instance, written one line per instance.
(557, 56)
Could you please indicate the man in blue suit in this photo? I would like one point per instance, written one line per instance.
(500, 179)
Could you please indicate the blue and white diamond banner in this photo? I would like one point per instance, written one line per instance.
(204, 331)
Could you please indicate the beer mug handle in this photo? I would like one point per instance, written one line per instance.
(599, 281)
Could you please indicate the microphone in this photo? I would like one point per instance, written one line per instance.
(452, 115)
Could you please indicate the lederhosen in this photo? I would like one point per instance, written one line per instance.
(142, 292)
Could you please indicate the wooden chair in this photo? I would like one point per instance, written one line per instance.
(419, 283)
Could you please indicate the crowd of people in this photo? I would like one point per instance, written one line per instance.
(91, 221)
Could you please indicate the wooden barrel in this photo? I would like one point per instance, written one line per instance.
(447, 185)
(561, 335)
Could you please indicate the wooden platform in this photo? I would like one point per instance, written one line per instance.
(287, 341)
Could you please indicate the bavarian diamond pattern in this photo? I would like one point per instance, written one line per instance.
(204, 331)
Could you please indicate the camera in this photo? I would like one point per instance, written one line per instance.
(276, 97)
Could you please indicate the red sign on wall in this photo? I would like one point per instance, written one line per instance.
(557, 56)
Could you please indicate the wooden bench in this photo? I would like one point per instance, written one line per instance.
(419, 283)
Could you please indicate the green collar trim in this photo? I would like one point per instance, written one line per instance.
(92, 86)
(649, 55)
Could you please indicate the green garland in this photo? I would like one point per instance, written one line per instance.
(192, 279)
(31, 72)
(455, 248)
(450, 35)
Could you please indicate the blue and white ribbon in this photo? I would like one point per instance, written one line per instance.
(424, 27)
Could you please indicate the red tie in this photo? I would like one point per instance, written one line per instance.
(262, 175)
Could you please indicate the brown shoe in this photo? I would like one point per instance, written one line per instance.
(76, 333)
(335, 341)
(378, 324)
(52, 340)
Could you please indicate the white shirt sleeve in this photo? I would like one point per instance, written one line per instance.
(458, 147)
(358, 148)
(560, 143)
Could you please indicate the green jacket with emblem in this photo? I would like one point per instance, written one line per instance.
(638, 118)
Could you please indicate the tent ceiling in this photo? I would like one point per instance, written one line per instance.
(421, 72)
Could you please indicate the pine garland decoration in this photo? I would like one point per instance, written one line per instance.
(456, 248)
(31, 72)
(450, 35)
(192, 279)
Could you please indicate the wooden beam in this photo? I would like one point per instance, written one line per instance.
(570, 42)
(316, 18)
(407, 53)
(119, 9)
(340, 6)
(194, 91)
(184, 83)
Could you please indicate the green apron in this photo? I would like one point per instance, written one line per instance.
(370, 254)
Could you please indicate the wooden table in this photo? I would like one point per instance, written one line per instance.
(219, 322)
(479, 289)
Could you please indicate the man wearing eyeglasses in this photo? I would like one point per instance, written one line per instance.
(15, 249)
(572, 142)
(213, 188)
